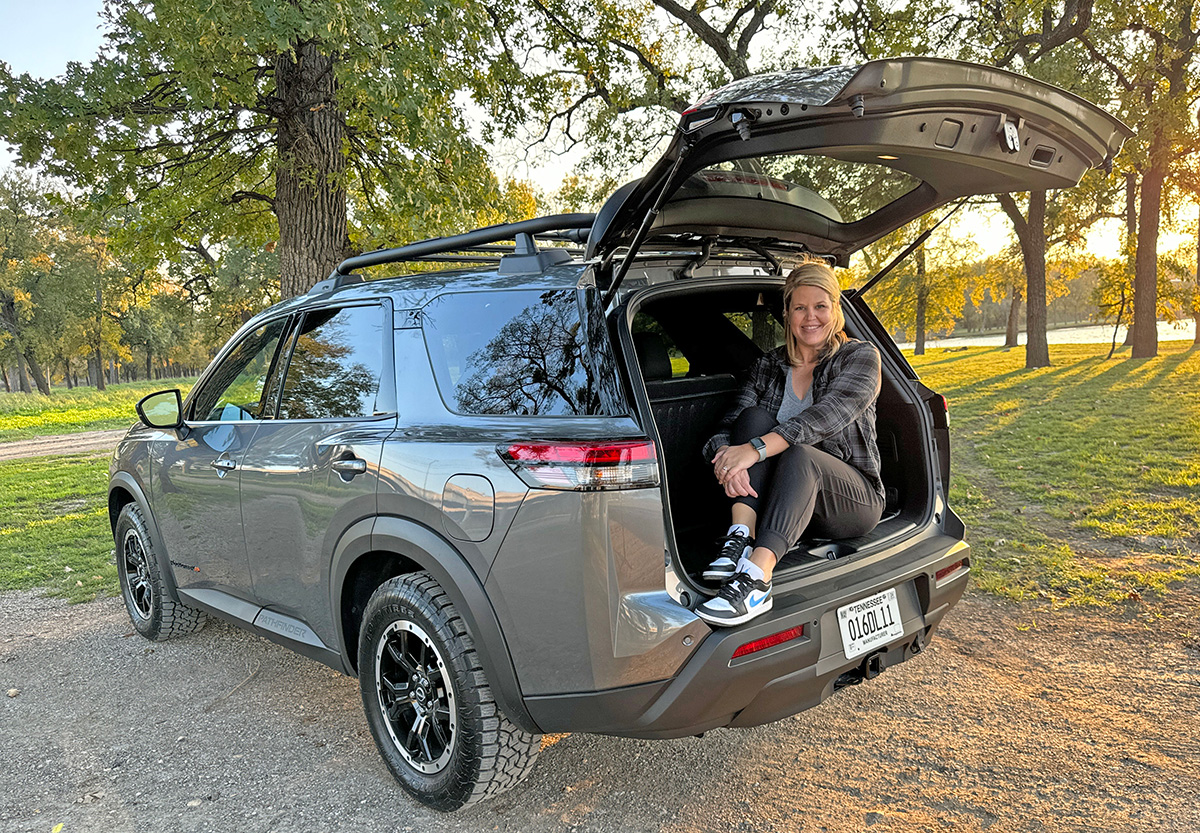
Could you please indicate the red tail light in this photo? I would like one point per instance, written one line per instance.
(627, 464)
(769, 641)
(947, 572)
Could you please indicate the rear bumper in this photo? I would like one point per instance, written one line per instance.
(713, 689)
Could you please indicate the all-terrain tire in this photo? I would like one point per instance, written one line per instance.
(428, 702)
(153, 613)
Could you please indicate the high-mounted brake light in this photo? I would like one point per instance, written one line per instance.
(581, 466)
(769, 641)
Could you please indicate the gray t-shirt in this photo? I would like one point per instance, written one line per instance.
(792, 404)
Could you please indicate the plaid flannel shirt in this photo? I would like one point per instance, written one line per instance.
(841, 419)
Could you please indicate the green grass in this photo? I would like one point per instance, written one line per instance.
(24, 415)
(1079, 483)
(54, 526)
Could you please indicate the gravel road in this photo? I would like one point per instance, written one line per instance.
(62, 444)
(1014, 719)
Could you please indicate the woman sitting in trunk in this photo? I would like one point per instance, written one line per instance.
(797, 453)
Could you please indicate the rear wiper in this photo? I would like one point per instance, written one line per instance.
(912, 247)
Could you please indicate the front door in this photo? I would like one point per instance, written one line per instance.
(196, 493)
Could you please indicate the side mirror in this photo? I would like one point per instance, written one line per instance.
(162, 410)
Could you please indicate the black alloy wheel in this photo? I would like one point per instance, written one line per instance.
(416, 696)
(136, 569)
(428, 703)
(154, 614)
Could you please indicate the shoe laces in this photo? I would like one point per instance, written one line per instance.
(732, 545)
(737, 587)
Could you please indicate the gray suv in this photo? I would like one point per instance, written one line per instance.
(481, 491)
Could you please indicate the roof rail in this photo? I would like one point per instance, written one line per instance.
(526, 256)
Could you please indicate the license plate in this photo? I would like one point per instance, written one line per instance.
(869, 623)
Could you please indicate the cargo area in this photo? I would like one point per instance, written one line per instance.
(693, 344)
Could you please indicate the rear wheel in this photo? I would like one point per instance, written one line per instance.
(154, 615)
(428, 703)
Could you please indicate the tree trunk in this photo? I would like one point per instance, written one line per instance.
(22, 378)
(1014, 319)
(1033, 250)
(148, 368)
(1196, 290)
(1131, 190)
(35, 370)
(7, 385)
(922, 303)
(1145, 275)
(310, 197)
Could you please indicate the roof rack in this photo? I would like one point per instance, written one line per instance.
(523, 258)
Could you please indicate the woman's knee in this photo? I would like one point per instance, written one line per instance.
(752, 422)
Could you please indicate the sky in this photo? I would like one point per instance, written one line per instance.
(42, 36)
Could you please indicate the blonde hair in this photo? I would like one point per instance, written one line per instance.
(815, 273)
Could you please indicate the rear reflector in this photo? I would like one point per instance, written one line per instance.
(946, 572)
(628, 464)
(769, 641)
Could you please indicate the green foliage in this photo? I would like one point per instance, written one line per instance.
(1078, 483)
(192, 118)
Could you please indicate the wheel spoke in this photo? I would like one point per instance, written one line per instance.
(442, 736)
(396, 689)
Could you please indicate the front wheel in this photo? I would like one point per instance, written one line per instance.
(428, 703)
(153, 613)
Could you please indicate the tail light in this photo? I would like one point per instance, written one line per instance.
(951, 571)
(769, 642)
(583, 466)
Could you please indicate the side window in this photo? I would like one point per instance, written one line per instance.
(234, 391)
(643, 323)
(336, 365)
(511, 352)
(760, 326)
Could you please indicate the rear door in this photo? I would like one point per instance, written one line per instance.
(313, 470)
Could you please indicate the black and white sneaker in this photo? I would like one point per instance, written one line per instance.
(739, 600)
(734, 547)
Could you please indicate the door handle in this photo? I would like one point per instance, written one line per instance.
(223, 465)
(351, 467)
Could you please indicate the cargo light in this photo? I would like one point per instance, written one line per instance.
(947, 572)
(769, 641)
(583, 466)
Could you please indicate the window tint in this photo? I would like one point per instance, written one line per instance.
(760, 326)
(336, 365)
(235, 388)
(519, 352)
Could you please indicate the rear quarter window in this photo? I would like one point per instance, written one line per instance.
(519, 352)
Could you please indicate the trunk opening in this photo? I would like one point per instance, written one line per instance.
(693, 344)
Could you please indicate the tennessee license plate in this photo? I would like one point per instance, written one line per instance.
(870, 623)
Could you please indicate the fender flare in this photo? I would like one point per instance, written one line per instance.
(126, 481)
(435, 555)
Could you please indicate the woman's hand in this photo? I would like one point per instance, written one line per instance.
(731, 466)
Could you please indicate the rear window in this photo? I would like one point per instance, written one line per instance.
(840, 190)
(521, 353)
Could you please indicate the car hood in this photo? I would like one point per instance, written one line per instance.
(831, 159)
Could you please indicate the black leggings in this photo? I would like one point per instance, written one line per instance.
(804, 491)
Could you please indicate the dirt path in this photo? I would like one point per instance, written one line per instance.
(1015, 719)
(97, 441)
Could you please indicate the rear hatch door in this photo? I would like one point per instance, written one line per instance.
(831, 159)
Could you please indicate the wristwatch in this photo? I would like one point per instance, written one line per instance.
(760, 446)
